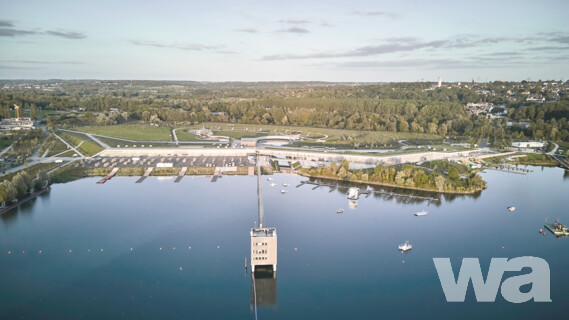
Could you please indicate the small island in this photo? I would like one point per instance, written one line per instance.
(439, 176)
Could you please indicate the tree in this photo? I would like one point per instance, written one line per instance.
(20, 185)
(7, 191)
(342, 173)
(440, 183)
(33, 111)
(453, 174)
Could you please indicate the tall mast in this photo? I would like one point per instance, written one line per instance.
(260, 195)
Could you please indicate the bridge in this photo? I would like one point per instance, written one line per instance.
(562, 162)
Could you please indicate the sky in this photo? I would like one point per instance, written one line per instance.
(337, 41)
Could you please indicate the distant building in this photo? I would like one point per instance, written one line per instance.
(440, 82)
(528, 146)
(17, 124)
(521, 124)
(249, 142)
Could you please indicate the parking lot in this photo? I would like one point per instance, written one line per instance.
(174, 161)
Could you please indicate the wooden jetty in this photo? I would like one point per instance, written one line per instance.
(181, 174)
(387, 194)
(146, 174)
(109, 176)
(510, 169)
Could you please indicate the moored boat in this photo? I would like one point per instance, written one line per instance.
(405, 246)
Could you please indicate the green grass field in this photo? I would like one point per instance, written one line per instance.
(332, 137)
(132, 132)
(183, 135)
(86, 145)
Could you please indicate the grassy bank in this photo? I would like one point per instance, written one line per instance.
(131, 132)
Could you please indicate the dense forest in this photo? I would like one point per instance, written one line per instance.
(396, 107)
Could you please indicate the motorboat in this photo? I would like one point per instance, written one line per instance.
(269, 179)
(283, 191)
(273, 184)
(405, 246)
(286, 184)
(511, 208)
(339, 211)
(421, 213)
(354, 193)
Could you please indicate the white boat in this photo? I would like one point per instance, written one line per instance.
(286, 184)
(273, 184)
(405, 246)
(511, 208)
(421, 213)
(283, 191)
(354, 193)
(269, 179)
(339, 211)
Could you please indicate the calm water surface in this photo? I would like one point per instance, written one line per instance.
(127, 251)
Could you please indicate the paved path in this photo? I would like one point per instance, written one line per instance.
(552, 152)
(91, 136)
(68, 145)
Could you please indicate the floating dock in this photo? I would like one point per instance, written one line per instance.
(557, 229)
(181, 174)
(109, 176)
(146, 174)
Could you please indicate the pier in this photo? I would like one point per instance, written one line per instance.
(562, 162)
(109, 176)
(181, 174)
(146, 174)
(387, 194)
(510, 169)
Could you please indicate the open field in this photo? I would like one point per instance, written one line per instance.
(332, 137)
(131, 132)
(88, 147)
(183, 135)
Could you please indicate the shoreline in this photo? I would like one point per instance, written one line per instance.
(23, 200)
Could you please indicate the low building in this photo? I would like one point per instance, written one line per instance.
(249, 142)
(17, 124)
(528, 144)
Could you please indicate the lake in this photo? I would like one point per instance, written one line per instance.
(177, 250)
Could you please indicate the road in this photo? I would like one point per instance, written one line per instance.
(552, 152)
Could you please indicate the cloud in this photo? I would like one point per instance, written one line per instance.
(9, 32)
(40, 62)
(297, 30)
(181, 46)
(295, 21)
(548, 48)
(471, 63)
(6, 23)
(363, 51)
(66, 34)
(247, 30)
(376, 13)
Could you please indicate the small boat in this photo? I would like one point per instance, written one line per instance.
(354, 193)
(286, 184)
(273, 184)
(421, 213)
(511, 208)
(339, 211)
(405, 246)
(541, 231)
(269, 179)
(283, 191)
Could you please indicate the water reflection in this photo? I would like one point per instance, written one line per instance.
(26, 208)
(264, 281)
